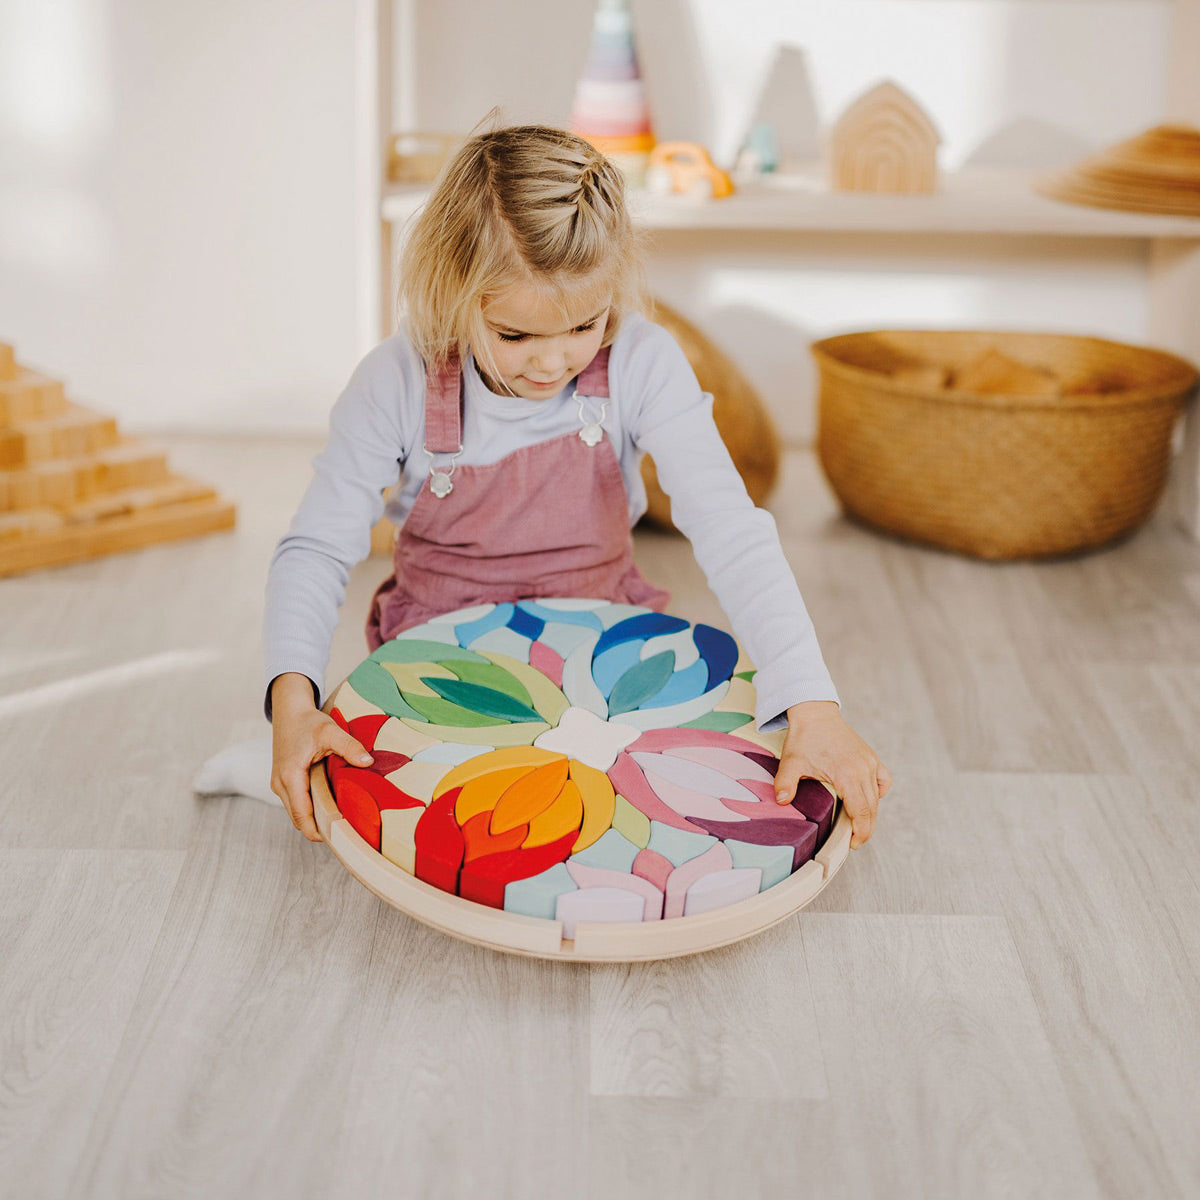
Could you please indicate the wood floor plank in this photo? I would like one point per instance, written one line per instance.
(79, 929)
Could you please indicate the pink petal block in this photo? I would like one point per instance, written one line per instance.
(693, 776)
(729, 762)
(760, 810)
(627, 778)
(670, 739)
(605, 877)
(543, 659)
(764, 791)
(720, 888)
(692, 804)
(715, 858)
(597, 904)
(654, 867)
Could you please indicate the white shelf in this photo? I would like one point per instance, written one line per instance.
(975, 200)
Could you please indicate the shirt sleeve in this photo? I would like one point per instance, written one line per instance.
(331, 530)
(736, 544)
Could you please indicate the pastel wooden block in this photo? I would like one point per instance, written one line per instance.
(503, 641)
(678, 714)
(729, 763)
(418, 779)
(771, 831)
(397, 841)
(598, 904)
(715, 858)
(629, 779)
(721, 888)
(498, 736)
(612, 850)
(773, 862)
(594, 877)
(687, 803)
(393, 734)
(629, 822)
(678, 845)
(538, 895)
(545, 697)
(655, 869)
(739, 697)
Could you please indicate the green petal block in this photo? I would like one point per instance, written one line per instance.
(643, 680)
(722, 722)
(485, 700)
(417, 650)
(489, 675)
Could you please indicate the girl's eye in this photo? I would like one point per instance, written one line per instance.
(520, 337)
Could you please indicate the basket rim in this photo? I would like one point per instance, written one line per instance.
(1169, 391)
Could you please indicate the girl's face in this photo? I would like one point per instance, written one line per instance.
(536, 351)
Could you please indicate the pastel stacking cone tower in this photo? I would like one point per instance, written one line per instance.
(610, 109)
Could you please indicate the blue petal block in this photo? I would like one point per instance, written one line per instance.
(717, 649)
(561, 616)
(647, 625)
(612, 664)
(468, 631)
(683, 685)
(526, 625)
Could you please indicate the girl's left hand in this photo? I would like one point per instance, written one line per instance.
(820, 745)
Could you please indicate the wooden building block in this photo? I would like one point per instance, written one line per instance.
(612, 850)
(721, 888)
(397, 842)
(598, 904)
(538, 895)
(27, 395)
(176, 489)
(774, 863)
(715, 858)
(595, 877)
(678, 845)
(76, 430)
(884, 142)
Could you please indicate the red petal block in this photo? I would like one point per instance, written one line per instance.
(439, 843)
(480, 842)
(485, 879)
(356, 804)
(385, 793)
(386, 761)
(771, 831)
(336, 714)
(366, 728)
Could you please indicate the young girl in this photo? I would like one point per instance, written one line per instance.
(516, 398)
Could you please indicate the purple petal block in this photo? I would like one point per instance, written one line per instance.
(771, 831)
(814, 800)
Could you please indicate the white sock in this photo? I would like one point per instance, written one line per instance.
(244, 770)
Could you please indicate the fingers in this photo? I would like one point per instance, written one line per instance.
(787, 778)
(338, 741)
(862, 803)
(292, 788)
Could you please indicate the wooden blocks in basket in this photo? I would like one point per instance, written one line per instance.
(72, 487)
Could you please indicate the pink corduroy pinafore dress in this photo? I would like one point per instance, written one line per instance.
(549, 519)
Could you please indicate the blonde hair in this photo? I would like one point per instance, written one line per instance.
(524, 204)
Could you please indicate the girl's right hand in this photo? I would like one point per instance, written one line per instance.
(303, 735)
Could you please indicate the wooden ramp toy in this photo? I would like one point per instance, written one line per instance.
(72, 487)
(571, 778)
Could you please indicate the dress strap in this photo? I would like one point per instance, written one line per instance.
(593, 380)
(443, 406)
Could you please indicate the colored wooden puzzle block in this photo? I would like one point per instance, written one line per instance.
(612, 850)
(817, 801)
(594, 877)
(418, 778)
(538, 895)
(629, 779)
(688, 803)
(530, 795)
(629, 822)
(564, 816)
(545, 697)
(715, 858)
(439, 844)
(720, 889)
(479, 841)
(393, 735)
(525, 757)
(773, 862)
(397, 840)
(598, 904)
(729, 763)
(677, 714)
(771, 831)
(481, 793)
(484, 879)
(679, 845)
(599, 803)
(654, 868)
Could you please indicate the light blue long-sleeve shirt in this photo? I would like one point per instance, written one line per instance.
(376, 433)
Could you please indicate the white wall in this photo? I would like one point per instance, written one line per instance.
(178, 215)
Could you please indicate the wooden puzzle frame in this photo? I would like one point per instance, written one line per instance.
(540, 937)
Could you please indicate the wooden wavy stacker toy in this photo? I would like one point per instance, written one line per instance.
(572, 779)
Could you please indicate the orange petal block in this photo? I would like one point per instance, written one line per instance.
(480, 841)
(485, 879)
(439, 844)
(529, 796)
(483, 764)
(561, 818)
(483, 793)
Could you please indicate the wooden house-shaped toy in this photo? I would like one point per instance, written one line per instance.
(884, 142)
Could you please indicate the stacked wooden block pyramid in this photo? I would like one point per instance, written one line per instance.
(72, 487)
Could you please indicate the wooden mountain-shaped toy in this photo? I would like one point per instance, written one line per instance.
(884, 142)
(72, 487)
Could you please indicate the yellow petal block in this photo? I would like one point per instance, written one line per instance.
(350, 704)
(564, 815)
(398, 836)
(547, 699)
(408, 676)
(482, 764)
(483, 793)
(599, 801)
(630, 823)
(418, 779)
(402, 738)
(520, 733)
(533, 793)
(768, 741)
(740, 697)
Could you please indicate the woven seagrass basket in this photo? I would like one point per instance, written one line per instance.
(997, 476)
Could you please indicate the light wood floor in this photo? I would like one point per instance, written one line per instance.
(997, 996)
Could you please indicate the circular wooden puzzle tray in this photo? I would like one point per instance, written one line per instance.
(572, 779)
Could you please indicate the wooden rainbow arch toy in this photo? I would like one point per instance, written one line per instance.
(572, 779)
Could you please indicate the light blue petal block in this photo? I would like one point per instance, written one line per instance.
(775, 861)
(611, 849)
(563, 616)
(578, 685)
(433, 632)
(677, 845)
(451, 753)
(612, 664)
(562, 639)
(468, 631)
(572, 604)
(538, 895)
(676, 714)
(682, 686)
(459, 615)
(504, 641)
(681, 642)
